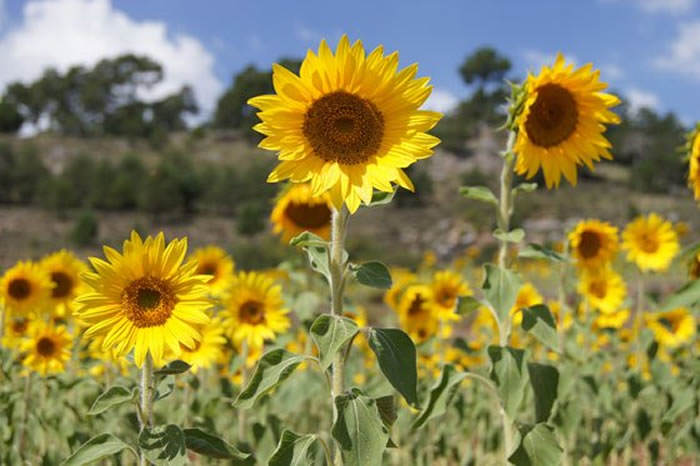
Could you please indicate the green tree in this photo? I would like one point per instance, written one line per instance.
(11, 119)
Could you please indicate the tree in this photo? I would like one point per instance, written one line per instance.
(10, 118)
(484, 66)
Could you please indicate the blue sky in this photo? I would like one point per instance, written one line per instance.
(648, 50)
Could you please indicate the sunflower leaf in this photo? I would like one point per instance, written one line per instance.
(509, 373)
(173, 368)
(292, 450)
(114, 396)
(525, 188)
(538, 320)
(544, 380)
(164, 445)
(381, 198)
(330, 333)
(440, 395)
(536, 251)
(479, 193)
(98, 447)
(396, 354)
(467, 305)
(538, 447)
(686, 296)
(513, 236)
(500, 289)
(209, 445)
(274, 367)
(374, 274)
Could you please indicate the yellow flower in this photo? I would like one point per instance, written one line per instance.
(297, 211)
(417, 312)
(447, 287)
(562, 122)
(694, 161)
(672, 328)
(348, 123)
(106, 358)
(694, 268)
(614, 319)
(16, 329)
(214, 261)
(25, 288)
(207, 350)
(64, 269)
(650, 242)
(400, 279)
(145, 298)
(528, 296)
(604, 289)
(254, 310)
(593, 243)
(555, 308)
(47, 349)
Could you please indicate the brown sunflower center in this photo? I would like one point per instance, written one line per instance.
(598, 288)
(148, 302)
(46, 347)
(19, 288)
(446, 297)
(252, 312)
(553, 116)
(648, 243)
(590, 244)
(669, 324)
(19, 326)
(308, 216)
(695, 269)
(207, 268)
(63, 284)
(344, 128)
(416, 306)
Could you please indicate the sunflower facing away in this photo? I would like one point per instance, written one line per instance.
(650, 242)
(297, 211)
(562, 122)
(593, 243)
(254, 310)
(349, 123)
(672, 328)
(47, 349)
(145, 298)
(25, 288)
(207, 350)
(64, 269)
(694, 161)
(604, 289)
(214, 261)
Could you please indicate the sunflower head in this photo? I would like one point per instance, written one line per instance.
(215, 262)
(672, 328)
(694, 267)
(528, 296)
(614, 320)
(418, 312)
(604, 289)
(693, 152)
(16, 329)
(47, 349)
(448, 286)
(145, 298)
(650, 242)
(26, 288)
(206, 351)
(254, 310)
(401, 278)
(64, 269)
(593, 243)
(297, 210)
(561, 122)
(349, 123)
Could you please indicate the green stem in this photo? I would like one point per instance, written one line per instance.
(146, 399)
(505, 203)
(25, 414)
(561, 297)
(244, 379)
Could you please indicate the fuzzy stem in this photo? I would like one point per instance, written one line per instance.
(505, 207)
(25, 414)
(244, 379)
(146, 399)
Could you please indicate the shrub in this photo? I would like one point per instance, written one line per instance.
(85, 229)
(252, 217)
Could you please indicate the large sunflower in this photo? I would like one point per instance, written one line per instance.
(254, 310)
(297, 211)
(650, 242)
(448, 286)
(562, 122)
(593, 243)
(349, 123)
(672, 328)
(694, 161)
(145, 298)
(214, 261)
(47, 349)
(64, 269)
(604, 289)
(207, 350)
(25, 288)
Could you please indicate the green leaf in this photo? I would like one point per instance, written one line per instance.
(307, 239)
(682, 401)
(114, 396)
(373, 273)
(525, 188)
(539, 321)
(173, 368)
(381, 197)
(479, 193)
(538, 447)
(513, 236)
(95, 449)
(316, 249)
(209, 445)
(535, 251)
(501, 288)
(686, 296)
(387, 410)
(509, 374)
(544, 380)
(164, 445)
(359, 430)
(331, 333)
(273, 368)
(467, 305)
(440, 395)
(292, 450)
(396, 355)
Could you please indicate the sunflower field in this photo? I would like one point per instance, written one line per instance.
(580, 351)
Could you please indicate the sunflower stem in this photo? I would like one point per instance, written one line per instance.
(146, 399)
(244, 380)
(505, 208)
(25, 414)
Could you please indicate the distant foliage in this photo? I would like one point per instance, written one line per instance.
(22, 174)
(85, 229)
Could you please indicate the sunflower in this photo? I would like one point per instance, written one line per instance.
(400, 279)
(604, 289)
(694, 267)
(694, 161)
(25, 288)
(672, 328)
(614, 319)
(448, 286)
(207, 350)
(64, 269)
(47, 349)
(528, 296)
(297, 211)
(417, 312)
(105, 359)
(16, 329)
(145, 298)
(562, 122)
(214, 261)
(254, 310)
(593, 243)
(349, 123)
(650, 242)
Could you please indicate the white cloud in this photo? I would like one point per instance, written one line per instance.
(661, 6)
(62, 33)
(639, 99)
(684, 54)
(305, 33)
(441, 100)
(611, 71)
